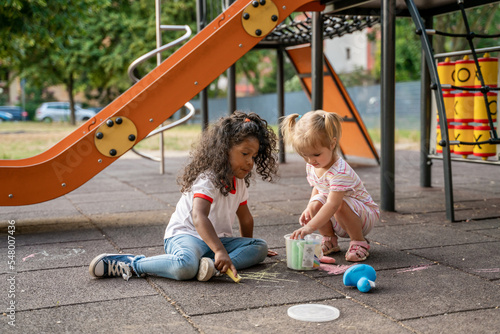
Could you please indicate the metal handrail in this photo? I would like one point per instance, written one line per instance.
(131, 75)
(154, 52)
(466, 52)
(192, 111)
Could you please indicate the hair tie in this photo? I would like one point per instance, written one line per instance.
(299, 117)
(246, 120)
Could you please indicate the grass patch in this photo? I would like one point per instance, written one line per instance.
(26, 139)
(400, 136)
(180, 138)
(20, 140)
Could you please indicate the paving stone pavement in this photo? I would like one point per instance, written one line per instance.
(433, 276)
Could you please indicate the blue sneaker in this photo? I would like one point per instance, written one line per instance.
(112, 265)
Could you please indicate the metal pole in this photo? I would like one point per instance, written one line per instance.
(280, 83)
(387, 98)
(201, 21)
(231, 81)
(426, 45)
(231, 89)
(158, 62)
(425, 117)
(466, 52)
(317, 61)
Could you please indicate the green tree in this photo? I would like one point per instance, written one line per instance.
(407, 56)
(87, 44)
(121, 35)
(482, 20)
(42, 44)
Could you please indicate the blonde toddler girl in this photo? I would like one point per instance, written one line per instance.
(339, 205)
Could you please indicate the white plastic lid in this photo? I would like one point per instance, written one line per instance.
(313, 312)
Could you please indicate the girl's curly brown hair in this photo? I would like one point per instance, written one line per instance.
(211, 154)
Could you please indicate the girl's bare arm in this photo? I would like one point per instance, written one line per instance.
(323, 216)
(246, 221)
(201, 209)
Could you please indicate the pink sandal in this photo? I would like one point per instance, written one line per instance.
(358, 251)
(329, 245)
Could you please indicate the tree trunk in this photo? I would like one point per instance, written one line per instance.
(69, 87)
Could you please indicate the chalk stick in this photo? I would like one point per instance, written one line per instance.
(326, 259)
(237, 279)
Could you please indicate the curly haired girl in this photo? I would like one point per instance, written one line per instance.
(339, 203)
(198, 240)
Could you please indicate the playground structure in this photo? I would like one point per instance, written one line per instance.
(294, 37)
(477, 75)
(355, 138)
(241, 27)
(153, 99)
(143, 107)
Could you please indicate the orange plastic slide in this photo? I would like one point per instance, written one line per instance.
(123, 123)
(355, 138)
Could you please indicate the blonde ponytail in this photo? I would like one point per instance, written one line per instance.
(315, 128)
(333, 125)
(287, 127)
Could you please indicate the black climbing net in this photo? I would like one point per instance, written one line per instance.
(297, 30)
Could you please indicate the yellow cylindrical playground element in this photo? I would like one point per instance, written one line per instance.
(449, 106)
(464, 107)
(464, 133)
(439, 148)
(446, 72)
(480, 111)
(482, 133)
(489, 70)
(465, 71)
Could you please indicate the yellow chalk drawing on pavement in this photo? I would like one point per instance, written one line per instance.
(265, 276)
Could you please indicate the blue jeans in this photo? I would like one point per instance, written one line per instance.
(183, 253)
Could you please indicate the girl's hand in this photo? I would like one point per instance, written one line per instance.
(305, 217)
(301, 232)
(223, 262)
(271, 253)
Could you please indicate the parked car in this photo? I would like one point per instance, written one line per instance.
(17, 112)
(5, 116)
(59, 111)
(95, 109)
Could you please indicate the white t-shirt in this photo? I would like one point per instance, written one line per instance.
(222, 211)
